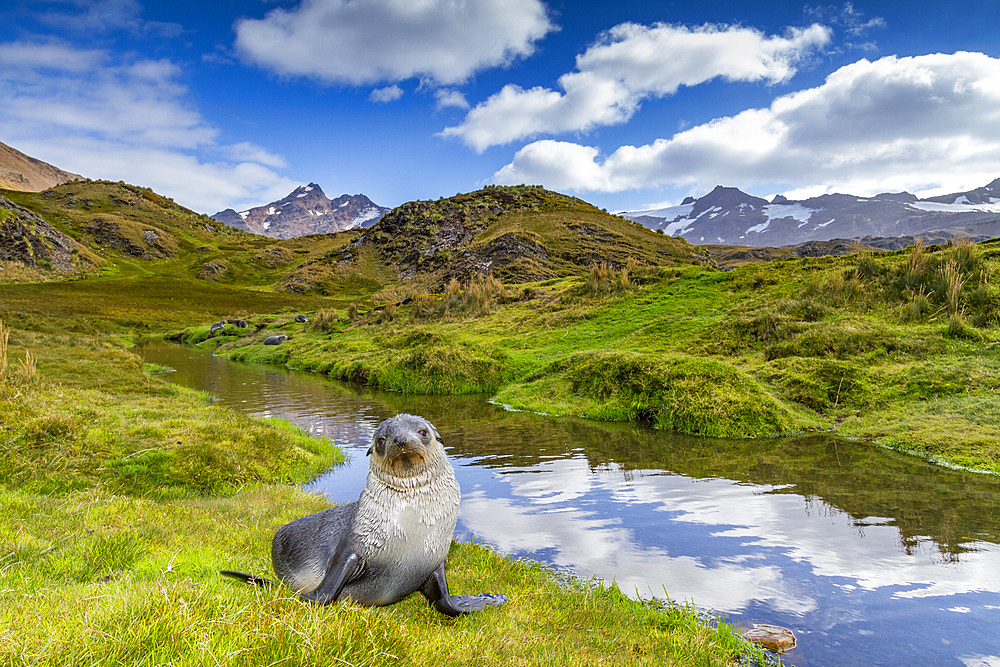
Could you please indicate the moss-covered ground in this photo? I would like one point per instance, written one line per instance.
(901, 348)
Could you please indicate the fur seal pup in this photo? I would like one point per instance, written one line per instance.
(391, 541)
(275, 340)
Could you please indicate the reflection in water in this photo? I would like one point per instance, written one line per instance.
(870, 556)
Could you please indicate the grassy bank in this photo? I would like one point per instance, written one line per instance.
(121, 496)
(900, 349)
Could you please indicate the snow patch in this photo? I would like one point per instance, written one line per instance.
(668, 213)
(244, 214)
(992, 207)
(270, 210)
(678, 227)
(961, 200)
(301, 194)
(267, 224)
(758, 228)
(824, 224)
(365, 216)
(308, 188)
(796, 211)
(980, 660)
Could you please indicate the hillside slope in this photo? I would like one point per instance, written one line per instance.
(129, 229)
(519, 233)
(26, 174)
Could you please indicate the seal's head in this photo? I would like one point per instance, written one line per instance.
(406, 446)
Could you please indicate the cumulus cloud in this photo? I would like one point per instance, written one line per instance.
(928, 124)
(447, 97)
(90, 113)
(628, 64)
(354, 42)
(386, 94)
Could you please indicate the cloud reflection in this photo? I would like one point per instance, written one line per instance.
(767, 538)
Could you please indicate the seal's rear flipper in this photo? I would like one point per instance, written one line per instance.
(466, 604)
(435, 589)
(248, 578)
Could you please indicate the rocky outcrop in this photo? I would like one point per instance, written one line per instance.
(27, 239)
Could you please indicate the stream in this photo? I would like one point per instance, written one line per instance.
(870, 557)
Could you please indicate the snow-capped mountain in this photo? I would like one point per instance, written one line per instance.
(305, 211)
(729, 216)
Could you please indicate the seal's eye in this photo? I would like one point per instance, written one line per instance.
(422, 433)
(380, 441)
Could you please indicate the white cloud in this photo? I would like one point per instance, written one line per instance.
(630, 63)
(447, 97)
(33, 56)
(90, 16)
(386, 94)
(245, 151)
(354, 42)
(126, 120)
(927, 124)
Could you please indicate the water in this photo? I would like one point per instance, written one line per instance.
(870, 557)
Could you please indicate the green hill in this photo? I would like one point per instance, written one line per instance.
(126, 229)
(518, 233)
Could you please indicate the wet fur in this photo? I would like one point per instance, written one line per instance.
(390, 542)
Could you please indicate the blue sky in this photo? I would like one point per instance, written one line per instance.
(629, 105)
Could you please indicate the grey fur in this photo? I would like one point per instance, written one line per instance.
(301, 318)
(390, 542)
(275, 340)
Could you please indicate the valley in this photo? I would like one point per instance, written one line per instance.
(539, 300)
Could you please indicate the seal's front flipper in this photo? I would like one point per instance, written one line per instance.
(435, 589)
(344, 567)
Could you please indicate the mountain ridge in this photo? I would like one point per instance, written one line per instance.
(729, 216)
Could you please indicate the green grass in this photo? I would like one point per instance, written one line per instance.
(675, 392)
(830, 343)
(136, 582)
(121, 496)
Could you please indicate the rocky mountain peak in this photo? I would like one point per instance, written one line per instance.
(305, 210)
(725, 198)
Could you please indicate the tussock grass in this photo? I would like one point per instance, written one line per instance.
(325, 321)
(675, 392)
(4, 340)
(475, 296)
